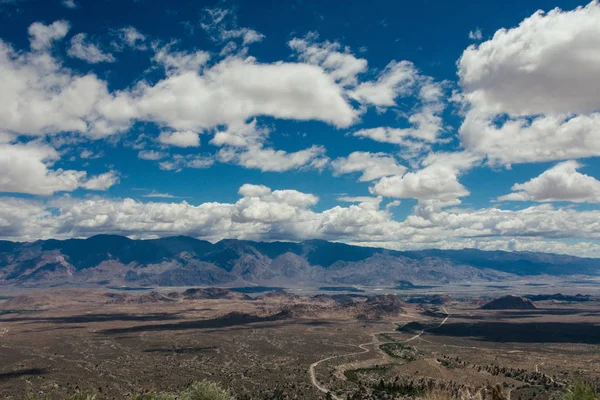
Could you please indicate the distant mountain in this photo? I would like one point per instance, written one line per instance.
(185, 261)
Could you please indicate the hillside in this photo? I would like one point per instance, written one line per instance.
(185, 261)
(510, 303)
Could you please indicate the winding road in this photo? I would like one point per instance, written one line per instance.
(364, 349)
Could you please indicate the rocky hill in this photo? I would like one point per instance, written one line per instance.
(510, 303)
(184, 261)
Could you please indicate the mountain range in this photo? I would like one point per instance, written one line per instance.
(185, 261)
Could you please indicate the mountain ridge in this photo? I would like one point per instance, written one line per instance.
(183, 260)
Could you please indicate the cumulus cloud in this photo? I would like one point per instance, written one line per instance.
(476, 34)
(40, 96)
(69, 4)
(396, 79)
(85, 50)
(180, 139)
(532, 91)
(221, 24)
(42, 36)
(371, 165)
(26, 169)
(244, 145)
(268, 159)
(438, 180)
(152, 155)
(342, 66)
(132, 38)
(560, 183)
(265, 214)
(179, 61)
(426, 124)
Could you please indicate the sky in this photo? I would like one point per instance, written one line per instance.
(405, 125)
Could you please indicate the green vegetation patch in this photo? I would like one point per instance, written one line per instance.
(399, 350)
(353, 375)
(581, 391)
(204, 390)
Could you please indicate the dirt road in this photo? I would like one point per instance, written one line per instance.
(364, 349)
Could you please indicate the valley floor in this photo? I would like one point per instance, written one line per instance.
(60, 345)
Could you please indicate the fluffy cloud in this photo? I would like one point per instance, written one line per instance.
(69, 4)
(426, 123)
(532, 91)
(266, 214)
(438, 180)
(178, 162)
(26, 170)
(371, 165)
(85, 50)
(177, 62)
(40, 96)
(560, 183)
(42, 36)
(476, 34)
(235, 90)
(396, 79)
(180, 139)
(267, 159)
(221, 24)
(152, 155)
(132, 38)
(244, 144)
(343, 67)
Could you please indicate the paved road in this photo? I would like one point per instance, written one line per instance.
(364, 349)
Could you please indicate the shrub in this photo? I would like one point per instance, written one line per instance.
(581, 391)
(205, 390)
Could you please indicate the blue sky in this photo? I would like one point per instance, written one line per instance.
(399, 124)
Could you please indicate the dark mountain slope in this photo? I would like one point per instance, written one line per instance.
(185, 261)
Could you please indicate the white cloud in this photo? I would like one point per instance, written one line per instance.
(371, 165)
(438, 180)
(102, 181)
(133, 38)
(247, 35)
(69, 4)
(159, 195)
(41, 36)
(177, 62)
(343, 67)
(26, 169)
(152, 155)
(538, 139)
(178, 162)
(532, 91)
(249, 190)
(84, 50)
(559, 183)
(396, 79)
(180, 139)
(265, 214)
(235, 90)
(221, 24)
(40, 96)
(476, 34)
(426, 123)
(268, 159)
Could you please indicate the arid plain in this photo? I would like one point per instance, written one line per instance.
(281, 345)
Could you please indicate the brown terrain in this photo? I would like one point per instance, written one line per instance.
(281, 345)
